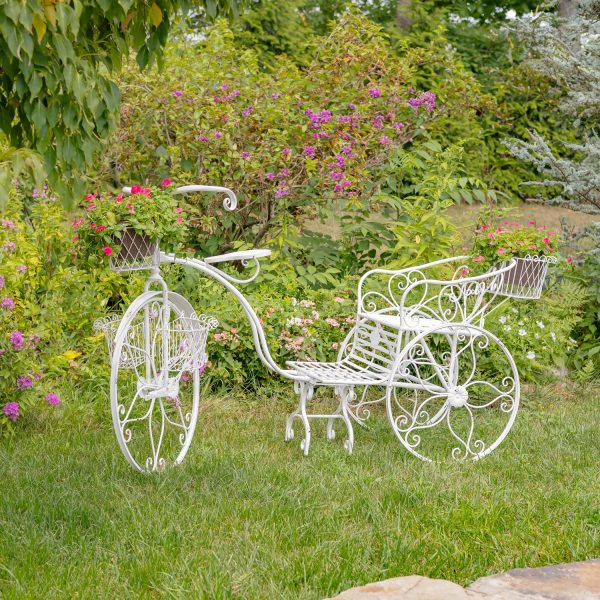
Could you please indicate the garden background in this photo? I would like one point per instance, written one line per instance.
(354, 135)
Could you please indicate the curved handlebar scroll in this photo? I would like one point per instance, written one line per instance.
(230, 202)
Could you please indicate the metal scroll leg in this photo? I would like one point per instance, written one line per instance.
(346, 395)
(305, 393)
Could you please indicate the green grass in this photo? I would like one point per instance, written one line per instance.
(247, 516)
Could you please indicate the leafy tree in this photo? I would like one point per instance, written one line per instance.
(273, 28)
(568, 52)
(56, 60)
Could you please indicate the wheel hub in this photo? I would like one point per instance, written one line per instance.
(458, 396)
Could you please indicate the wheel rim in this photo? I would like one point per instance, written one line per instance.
(466, 397)
(155, 381)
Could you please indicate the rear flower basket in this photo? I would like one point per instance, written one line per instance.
(137, 252)
(527, 278)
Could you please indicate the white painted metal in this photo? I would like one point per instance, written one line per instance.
(243, 256)
(157, 350)
(419, 343)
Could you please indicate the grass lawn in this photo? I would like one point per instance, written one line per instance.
(247, 516)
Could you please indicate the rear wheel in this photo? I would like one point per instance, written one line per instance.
(464, 396)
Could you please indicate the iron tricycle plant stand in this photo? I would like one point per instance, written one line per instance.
(450, 386)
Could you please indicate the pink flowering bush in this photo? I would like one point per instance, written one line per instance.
(150, 211)
(290, 143)
(494, 244)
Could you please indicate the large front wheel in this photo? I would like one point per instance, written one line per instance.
(454, 392)
(157, 359)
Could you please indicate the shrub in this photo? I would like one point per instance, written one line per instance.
(288, 142)
(47, 304)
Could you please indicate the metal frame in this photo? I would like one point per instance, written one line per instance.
(404, 317)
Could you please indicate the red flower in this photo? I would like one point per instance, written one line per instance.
(570, 259)
(478, 259)
(136, 189)
(178, 210)
(107, 250)
(179, 220)
(546, 240)
(165, 182)
(101, 228)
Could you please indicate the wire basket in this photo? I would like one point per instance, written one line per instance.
(138, 252)
(186, 336)
(526, 279)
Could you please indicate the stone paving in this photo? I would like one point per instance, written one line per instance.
(572, 581)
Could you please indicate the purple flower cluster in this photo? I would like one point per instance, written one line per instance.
(374, 92)
(9, 247)
(8, 303)
(11, 410)
(226, 97)
(177, 93)
(377, 122)
(339, 187)
(2, 281)
(248, 111)
(53, 399)
(318, 118)
(426, 99)
(309, 151)
(22, 269)
(8, 224)
(16, 339)
(24, 382)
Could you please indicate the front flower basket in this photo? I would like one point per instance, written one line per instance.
(527, 278)
(138, 252)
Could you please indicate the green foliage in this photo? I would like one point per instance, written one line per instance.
(271, 28)
(51, 301)
(56, 60)
(538, 333)
(567, 52)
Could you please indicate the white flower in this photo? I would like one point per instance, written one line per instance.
(553, 336)
(315, 315)
(530, 355)
(515, 310)
(294, 321)
(572, 340)
(522, 332)
(307, 304)
(536, 335)
(294, 301)
(502, 319)
(521, 323)
(540, 324)
(506, 328)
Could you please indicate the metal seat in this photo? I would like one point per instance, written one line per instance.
(338, 373)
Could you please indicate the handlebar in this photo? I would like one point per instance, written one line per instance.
(229, 203)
